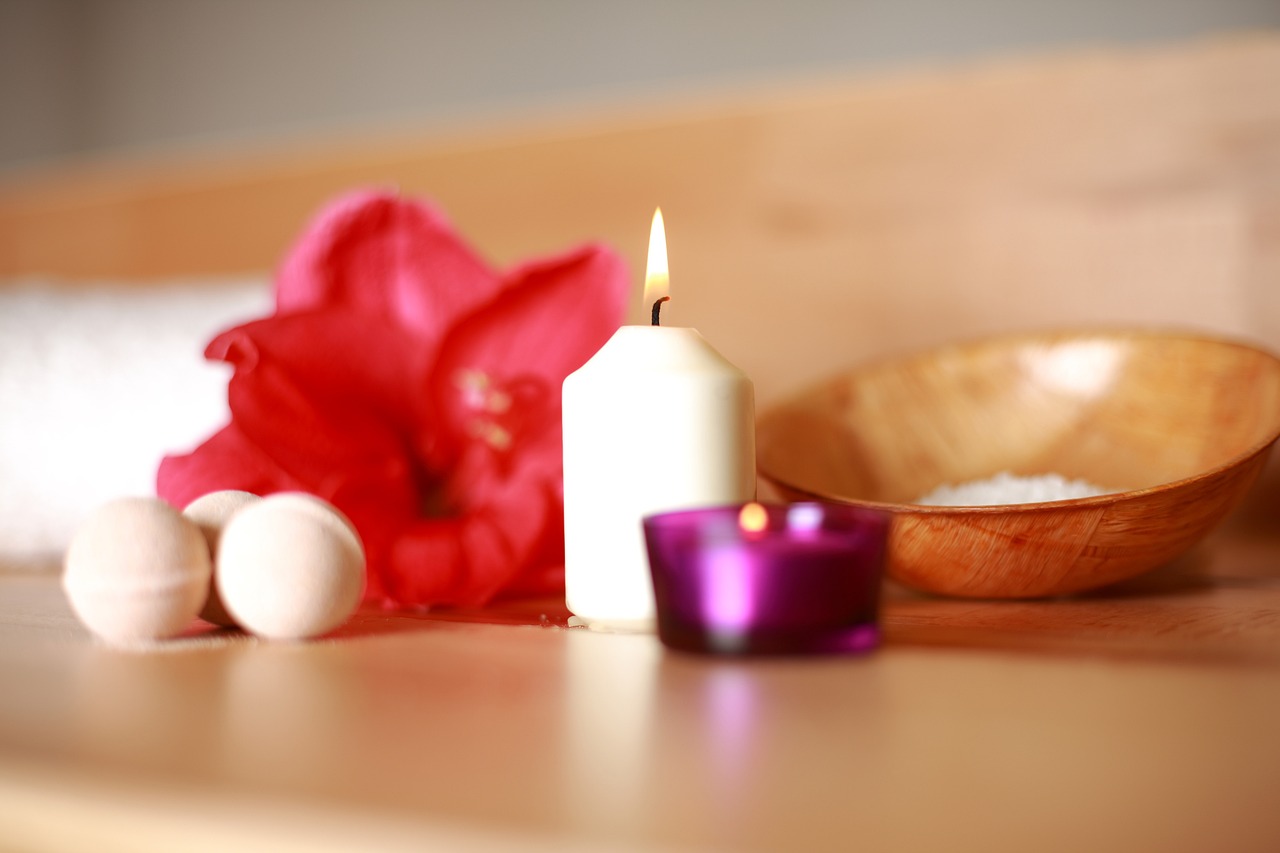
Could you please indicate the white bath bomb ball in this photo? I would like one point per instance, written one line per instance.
(290, 566)
(136, 570)
(211, 513)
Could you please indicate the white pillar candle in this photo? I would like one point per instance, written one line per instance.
(657, 420)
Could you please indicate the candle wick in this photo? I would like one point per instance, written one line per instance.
(657, 306)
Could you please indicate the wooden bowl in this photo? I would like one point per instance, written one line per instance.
(1177, 427)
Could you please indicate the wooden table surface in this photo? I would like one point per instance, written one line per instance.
(1143, 718)
(1128, 187)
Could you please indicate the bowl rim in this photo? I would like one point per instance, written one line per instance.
(1049, 335)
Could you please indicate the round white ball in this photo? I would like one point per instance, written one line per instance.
(136, 570)
(211, 513)
(290, 566)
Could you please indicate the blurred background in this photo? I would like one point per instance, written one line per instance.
(82, 76)
(912, 171)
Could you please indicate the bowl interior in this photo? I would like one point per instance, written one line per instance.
(1124, 411)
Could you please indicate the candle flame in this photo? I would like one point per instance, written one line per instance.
(753, 518)
(656, 279)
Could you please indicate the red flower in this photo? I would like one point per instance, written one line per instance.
(418, 391)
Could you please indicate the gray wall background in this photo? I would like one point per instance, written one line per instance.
(93, 76)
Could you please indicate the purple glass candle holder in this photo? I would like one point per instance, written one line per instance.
(767, 579)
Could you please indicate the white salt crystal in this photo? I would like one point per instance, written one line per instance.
(1007, 488)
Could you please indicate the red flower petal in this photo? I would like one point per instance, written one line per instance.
(381, 503)
(497, 386)
(553, 316)
(226, 460)
(380, 253)
(406, 383)
(469, 559)
(324, 390)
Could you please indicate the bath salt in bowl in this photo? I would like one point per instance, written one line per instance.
(1007, 488)
(1171, 429)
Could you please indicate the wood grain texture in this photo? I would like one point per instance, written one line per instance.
(1176, 428)
(1142, 718)
(810, 225)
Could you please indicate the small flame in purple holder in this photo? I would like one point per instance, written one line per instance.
(800, 578)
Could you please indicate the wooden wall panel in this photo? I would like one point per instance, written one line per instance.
(810, 225)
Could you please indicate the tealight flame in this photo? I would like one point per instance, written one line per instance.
(657, 283)
(753, 518)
